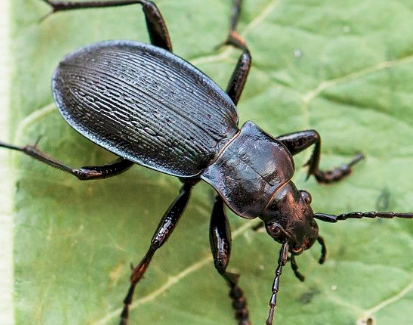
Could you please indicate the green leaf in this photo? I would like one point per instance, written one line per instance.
(344, 68)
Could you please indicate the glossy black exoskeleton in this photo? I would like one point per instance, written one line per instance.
(152, 108)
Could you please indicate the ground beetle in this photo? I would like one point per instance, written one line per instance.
(152, 108)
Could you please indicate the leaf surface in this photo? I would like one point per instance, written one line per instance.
(342, 68)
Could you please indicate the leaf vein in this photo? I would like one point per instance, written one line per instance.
(173, 280)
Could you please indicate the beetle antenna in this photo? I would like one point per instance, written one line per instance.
(323, 249)
(358, 215)
(282, 260)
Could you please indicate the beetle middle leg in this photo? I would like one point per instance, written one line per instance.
(239, 76)
(299, 141)
(162, 233)
(233, 37)
(158, 32)
(220, 238)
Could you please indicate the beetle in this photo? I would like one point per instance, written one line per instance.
(152, 108)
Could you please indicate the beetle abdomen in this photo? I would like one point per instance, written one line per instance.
(145, 104)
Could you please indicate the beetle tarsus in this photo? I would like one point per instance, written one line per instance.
(239, 303)
(360, 156)
(10, 146)
(239, 76)
(124, 315)
(43, 18)
(233, 38)
(220, 239)
(335, 175)
(136, 275)
(299, 141)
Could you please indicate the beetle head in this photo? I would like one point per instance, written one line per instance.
(289, 217)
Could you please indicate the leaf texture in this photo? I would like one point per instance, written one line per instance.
(344, 68)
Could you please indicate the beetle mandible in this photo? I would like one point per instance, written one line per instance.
(181, 123)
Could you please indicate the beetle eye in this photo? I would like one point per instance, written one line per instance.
(306, 196)
(273, 229)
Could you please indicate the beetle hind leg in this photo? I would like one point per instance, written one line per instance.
(220, 238)
(158, 32)
(113, 168)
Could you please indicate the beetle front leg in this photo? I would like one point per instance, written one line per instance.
(113, 168)
(162, 233)
(299, 141)
(220, 238)
(158, 33)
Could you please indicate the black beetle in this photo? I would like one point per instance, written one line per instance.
(152, 108)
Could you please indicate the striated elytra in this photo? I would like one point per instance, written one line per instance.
(145, 104)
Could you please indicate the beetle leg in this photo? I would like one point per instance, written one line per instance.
(158, 33)
(236, 12)
(282, 260)
(113, 168)
(294, 266)
(239, 76)
(298, 141)
(220, 239)
(162, 233)
(259, 227)
(323, 249)
(233, 37)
